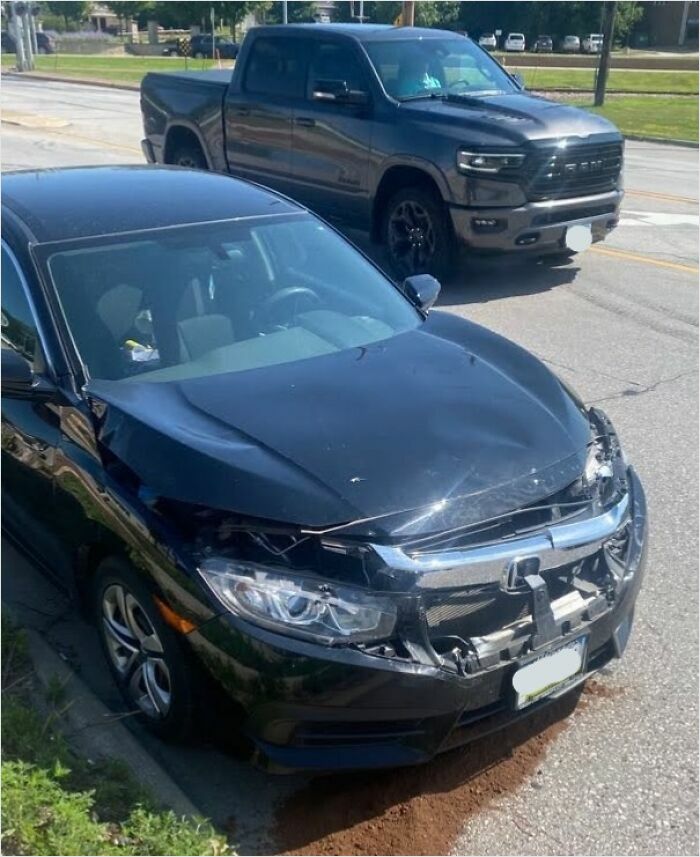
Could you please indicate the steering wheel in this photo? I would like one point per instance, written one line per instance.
(459, 85)
(287, 300)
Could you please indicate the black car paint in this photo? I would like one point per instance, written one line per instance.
(84, 468)
(343, 160)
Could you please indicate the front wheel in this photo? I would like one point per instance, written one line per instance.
(190, 156)
(417, 233)
(147, 658)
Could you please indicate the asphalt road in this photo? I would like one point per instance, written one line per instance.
(620, 323)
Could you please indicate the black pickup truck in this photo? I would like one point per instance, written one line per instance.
(417, 135)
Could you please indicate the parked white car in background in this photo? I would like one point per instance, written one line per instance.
(488, 41)
(570, 44)
(514, 42)
(592, 44)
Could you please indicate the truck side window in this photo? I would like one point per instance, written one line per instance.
(17, 325)
(333, 61)
(277, 67)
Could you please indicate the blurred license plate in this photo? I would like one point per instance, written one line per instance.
(549, 673)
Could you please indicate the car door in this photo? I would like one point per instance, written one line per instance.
(332, 135)
(258, 111)
(31, 430)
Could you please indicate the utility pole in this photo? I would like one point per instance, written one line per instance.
(601, 82)
(27, 32)
(34, 11)
(684, 24)
(15, 25)
(408, 13)
(284, 12)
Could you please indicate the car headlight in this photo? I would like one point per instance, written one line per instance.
(314, 609)
(483, 162)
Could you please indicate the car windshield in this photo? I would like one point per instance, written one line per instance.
(429, 67)
(209, 299)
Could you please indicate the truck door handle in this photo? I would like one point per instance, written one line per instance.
(305, 121)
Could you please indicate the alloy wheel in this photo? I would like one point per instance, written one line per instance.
(136, 651)
(411, 235)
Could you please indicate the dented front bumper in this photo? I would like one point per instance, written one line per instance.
(313, 707)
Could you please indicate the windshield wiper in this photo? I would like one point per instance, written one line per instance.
(474, 96)
(429, 94)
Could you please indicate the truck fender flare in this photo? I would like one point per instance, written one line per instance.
(406, 160)
(179, 122)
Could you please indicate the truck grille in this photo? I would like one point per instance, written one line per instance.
(574, 171)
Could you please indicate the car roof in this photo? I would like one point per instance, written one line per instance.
(63, 204)
(360, 32)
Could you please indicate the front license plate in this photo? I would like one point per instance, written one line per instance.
(549, 673)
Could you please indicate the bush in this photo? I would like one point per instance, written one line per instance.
(39, 817)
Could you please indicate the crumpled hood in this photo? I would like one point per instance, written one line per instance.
(516, 119)
(444, 412)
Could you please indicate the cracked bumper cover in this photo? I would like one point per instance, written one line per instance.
(312, 707)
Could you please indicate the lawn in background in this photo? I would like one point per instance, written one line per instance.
(116, 69)
(677, 82)
(651, 116)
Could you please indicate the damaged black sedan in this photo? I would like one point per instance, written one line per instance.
(275, 479)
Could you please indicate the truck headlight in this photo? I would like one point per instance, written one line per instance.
(483, 162)
(306, 607)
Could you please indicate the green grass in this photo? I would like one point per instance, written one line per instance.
(652, 116)
(118, 69)
(129, 69)
(677, 82)
(54, 801)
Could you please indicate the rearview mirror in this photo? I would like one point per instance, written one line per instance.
(422, 290)
(17, 375)
(337, 91)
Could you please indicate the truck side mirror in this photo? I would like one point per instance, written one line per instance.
(519, 79)
(337, 91)
(422, 290)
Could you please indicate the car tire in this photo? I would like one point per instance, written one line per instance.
(199, 55)
(429, 248)
(41, 50)
(190, 156)
(147, 658)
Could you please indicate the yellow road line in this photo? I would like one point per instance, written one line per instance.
(667, 196)
(646, 260)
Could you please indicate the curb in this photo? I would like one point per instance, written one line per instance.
(688, 144)
(97, 731)
(80, 81)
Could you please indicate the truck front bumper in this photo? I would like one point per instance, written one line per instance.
(534, 226)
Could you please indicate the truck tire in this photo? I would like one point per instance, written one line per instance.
(417, 233)
(189, 155)
(147, 658)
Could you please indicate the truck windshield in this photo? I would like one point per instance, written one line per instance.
(428, 67)
(208, 299)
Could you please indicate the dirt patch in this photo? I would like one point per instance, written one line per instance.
(417, 810)
(601, 691)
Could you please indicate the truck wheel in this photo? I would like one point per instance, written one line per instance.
(417, 233)
(189, 156)
(146, 657)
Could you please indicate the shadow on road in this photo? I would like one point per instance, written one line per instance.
(479, 279)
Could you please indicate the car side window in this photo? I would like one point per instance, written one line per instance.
(17, 324)
(335, 61)
(277, 67)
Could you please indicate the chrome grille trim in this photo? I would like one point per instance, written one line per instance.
(557, 545)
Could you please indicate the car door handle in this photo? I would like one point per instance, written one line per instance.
(305, 121)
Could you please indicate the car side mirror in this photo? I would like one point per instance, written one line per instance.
(17, 375)
(337, 91)
(422, 290)
(19, 381)
(519, 79)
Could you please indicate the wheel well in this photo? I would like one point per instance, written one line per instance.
(181, 137)
(88, 561)
(394, 179)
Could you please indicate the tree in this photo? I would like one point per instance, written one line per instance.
(626, 17)
(129, 10)
(75, 10)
